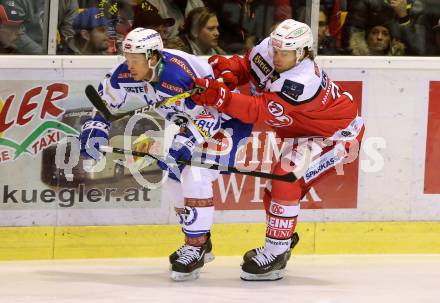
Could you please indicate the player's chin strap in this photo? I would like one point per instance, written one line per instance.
(153, 68)
(299, 53)
(289, 177)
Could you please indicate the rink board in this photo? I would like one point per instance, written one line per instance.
(73, 242)
(391, 197)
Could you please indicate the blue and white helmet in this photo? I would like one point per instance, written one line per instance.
(141, 40)
(292, 35)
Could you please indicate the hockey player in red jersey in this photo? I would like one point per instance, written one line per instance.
(317, 120)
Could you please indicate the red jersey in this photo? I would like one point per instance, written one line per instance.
(300, 102)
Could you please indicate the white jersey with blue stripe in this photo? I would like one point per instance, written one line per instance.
(176, 76)
(178, 70)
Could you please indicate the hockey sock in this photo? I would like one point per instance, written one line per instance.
(197, 220)
(280, 225)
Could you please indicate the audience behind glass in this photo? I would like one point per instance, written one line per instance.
(244, 23)
(152, 19)
(67, 11)
(406, 20)
(200, 34)
(346, 27)
(436, 30)
(32, 33)
(91, 33)
(10, 23)
(326, 42)
(377, 40)
(176, 9)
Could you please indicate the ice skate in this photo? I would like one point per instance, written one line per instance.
(188, 265)
(264, 266)
(253, 252)
(209, 255)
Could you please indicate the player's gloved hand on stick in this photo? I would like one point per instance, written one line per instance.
(222, 69)
(215, 93)
(94, 133)
(142, 144)
(181, 149)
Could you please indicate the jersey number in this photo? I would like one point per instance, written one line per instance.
(334, 89)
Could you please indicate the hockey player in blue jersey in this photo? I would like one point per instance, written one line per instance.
(155, 73)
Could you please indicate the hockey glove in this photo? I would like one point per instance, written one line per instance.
(181, 149)
(216, 94)
(94, 133)
(222, 69)
(142, 144)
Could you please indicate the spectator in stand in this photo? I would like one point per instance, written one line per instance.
(121, 14)
(67, 12)
(176, 9)
(152, 20)
(32, 34)
(91, 33)
(244, 23)
(326, 43)
(417, 34)
(337, 14)
(10, 23)
(200, 34)
(378, 41)
(283, 10)
(406, 21)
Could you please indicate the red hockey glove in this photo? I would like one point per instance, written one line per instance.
(222, 69)
(217, 94)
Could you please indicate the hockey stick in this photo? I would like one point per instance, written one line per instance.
(102, 106)
(290, 177)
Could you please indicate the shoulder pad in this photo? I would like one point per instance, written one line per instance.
(120, 74)
(178, 65)
(176, 76)
(121, 71)
(298, 85)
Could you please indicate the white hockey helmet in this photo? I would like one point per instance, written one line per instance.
(292, 35)
(141, 40)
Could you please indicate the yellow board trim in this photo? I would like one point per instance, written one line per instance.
(72, 242)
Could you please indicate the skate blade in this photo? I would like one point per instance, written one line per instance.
(270, 276)
(180, 276)
(209, 257)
